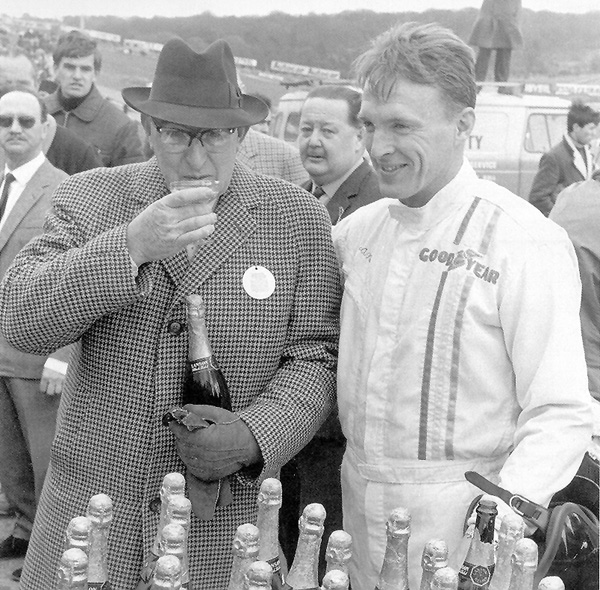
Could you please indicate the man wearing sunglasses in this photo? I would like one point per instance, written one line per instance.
(112, 271)
(29, 384)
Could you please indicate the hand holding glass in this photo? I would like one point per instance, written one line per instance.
(208, 195)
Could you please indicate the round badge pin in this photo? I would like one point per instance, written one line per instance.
(258, 282)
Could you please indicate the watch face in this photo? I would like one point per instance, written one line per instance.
(480, 575)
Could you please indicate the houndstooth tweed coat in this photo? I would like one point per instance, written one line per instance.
(278, 354)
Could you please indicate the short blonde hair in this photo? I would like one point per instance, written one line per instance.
(425, 54)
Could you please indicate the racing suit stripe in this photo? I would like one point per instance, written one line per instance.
(454, 367)
(427, 367)
(465, 222)
(487, 235)
(429, 348)
(489, 231)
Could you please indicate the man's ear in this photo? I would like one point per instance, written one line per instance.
(465, 121)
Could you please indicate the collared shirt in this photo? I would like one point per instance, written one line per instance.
(23, 174)
(331, 188)
(584, 162)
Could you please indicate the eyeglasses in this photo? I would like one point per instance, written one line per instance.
(178, 140)
(24, 122)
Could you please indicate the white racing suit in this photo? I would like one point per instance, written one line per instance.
(460, 350)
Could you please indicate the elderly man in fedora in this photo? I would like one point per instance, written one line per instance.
(112, 271)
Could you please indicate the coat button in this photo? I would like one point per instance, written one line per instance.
(154, 505)
(175, 328)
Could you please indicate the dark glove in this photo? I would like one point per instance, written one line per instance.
(225, 446)
(205, 496)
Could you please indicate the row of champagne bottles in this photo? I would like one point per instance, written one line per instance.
(510, 565)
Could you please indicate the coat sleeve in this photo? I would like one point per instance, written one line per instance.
(300, 395)
(67, 278)
(546, 184)
(539, 313)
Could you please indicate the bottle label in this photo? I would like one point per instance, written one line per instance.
(203, 365)
(479, 575)
(275, 564)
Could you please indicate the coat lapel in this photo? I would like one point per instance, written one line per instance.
(342, 199)
(28, 198)
(578, 162)
(235, 224)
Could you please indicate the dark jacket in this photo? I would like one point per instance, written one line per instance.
(497, 25)
(557, 171)
(96, 120)
(359, 189)
(70, 153)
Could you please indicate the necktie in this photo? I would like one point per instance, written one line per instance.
(318, 191)
(8, 180)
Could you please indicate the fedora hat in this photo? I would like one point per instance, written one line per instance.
(196, 89)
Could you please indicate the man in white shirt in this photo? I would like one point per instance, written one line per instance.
(569, 161)
(29, 384)
(460, 345)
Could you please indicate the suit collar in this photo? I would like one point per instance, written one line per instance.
(24, 173)
(583, 166)
(86, 111)
(35, 189)
(333, 187)
(348, 191)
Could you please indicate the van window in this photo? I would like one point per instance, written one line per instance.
(292, 126)
(544, 130)
(490, 133)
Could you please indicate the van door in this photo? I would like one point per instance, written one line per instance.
(493, 147)
(544, 129)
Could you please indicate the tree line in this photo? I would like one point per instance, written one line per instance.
(554, 44)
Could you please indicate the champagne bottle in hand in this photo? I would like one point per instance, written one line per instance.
(204, 383)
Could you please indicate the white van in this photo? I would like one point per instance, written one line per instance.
(510, 135)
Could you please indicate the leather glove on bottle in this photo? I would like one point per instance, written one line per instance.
(225, 446)
(220, 444)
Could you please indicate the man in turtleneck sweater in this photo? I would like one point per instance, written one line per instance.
(78, 105)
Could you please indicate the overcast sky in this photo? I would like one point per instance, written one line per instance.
(150, 8)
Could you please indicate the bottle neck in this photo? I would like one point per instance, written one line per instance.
(199, 344)
(98, 554)
(268, 524)
(394, 571)
(304, 570)
(484, 525)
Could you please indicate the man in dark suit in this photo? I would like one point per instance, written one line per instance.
(332, 149)
(29, 384)
(567, 162)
